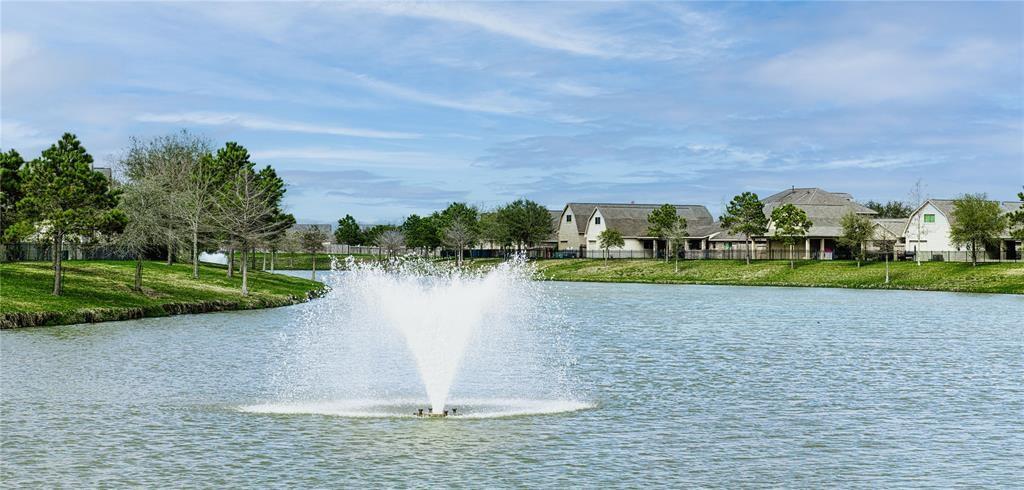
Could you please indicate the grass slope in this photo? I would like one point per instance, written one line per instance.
(934, 276)
(102, 290)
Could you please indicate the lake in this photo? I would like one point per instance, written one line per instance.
(677, 385)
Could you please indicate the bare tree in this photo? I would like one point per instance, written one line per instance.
(312, 242)
(176, 170)
(676, 235)
(917, 199)
(246, 211)
(142, 230)
(460, 236)
(391, 241)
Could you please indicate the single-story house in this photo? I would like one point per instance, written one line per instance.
(631, 221)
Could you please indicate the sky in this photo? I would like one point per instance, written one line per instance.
(381, 110)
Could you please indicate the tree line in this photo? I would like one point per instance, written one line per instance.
(176, 194)
(460, 226)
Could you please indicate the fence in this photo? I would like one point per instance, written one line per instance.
(26, 252)
(796, 254)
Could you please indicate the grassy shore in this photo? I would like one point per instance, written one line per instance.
(932, 276)
(97, 291)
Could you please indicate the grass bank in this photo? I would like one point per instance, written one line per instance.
(930, 276)
(96, 291)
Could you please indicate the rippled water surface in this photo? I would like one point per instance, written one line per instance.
(677, 385)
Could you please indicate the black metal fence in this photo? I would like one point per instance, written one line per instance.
(26, 252)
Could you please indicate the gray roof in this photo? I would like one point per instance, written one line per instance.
(945, 206)
(824, 209)
(579, 209)
(892, 226)
(802, 196)
(631, 219)
(556, 217)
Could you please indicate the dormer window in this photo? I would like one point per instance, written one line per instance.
(568, 218)
(597, 220)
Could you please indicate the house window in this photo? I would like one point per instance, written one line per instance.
(929, 218)
(597, 220)
(568, 218)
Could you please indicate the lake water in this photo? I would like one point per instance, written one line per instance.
(678, 385)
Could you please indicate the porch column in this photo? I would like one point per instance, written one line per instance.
(807, 248)
(821, 251)
(1002, 249)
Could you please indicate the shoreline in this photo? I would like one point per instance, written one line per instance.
(993, 278)
(100, 291)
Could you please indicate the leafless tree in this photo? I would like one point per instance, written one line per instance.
(460, 236)
(917, 199)
(176, 170)
(391, 241)
(312, 242)
(676, 236)
(246, 212)
(142, 230)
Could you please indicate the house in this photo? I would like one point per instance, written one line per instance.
(551, 243)
(927, 230)
(631, 221)
(888, 236)
(572, 227)
(824, 209)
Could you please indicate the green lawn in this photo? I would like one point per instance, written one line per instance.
(936, 276)
(102, 290)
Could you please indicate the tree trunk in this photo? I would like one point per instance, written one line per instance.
(273, 253)
(791, 264)
(677, 263)
(245, 272)
(264, 261)
(974, 253)
(750, 249)
(138, 272)
(58, 272)
(231, 262)
(314, 267)
(291, 260)
(170, 253)
(917, 250)
(195, 253)
(887, 268)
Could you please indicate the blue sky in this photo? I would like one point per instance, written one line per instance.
(385, 109)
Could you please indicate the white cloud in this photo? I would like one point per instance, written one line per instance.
(15, 47)
(15, 134)
(361, 156)
(267, 124)
(496, 102)
(535, 30)
(881, 68)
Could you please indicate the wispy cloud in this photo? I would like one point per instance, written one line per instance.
(495, 102)
(362, 156)
(268, 124)
(16, 134)
(882, 66)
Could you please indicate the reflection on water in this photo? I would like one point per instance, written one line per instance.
(684, 386)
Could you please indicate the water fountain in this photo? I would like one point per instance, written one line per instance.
(479, 343)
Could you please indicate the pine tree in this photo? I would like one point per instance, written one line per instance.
(64, 196)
